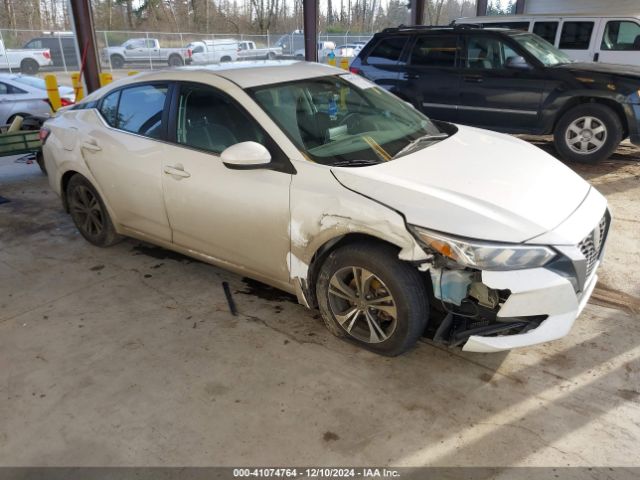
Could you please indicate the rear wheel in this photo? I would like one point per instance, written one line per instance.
(28, 66)
(225, 59)
(368, 296)
(89, 213)
(271, 56)
(588, 133)
(175, 61)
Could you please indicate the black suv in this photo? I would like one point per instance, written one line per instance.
(510, 81)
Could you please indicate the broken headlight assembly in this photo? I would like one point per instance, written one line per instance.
(484, 255)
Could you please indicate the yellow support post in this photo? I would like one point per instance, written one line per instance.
(132, 73)
(344, 63)
(77, 86)
(51, 82)
(105, 78)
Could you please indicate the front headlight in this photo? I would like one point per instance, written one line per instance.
(485, 255)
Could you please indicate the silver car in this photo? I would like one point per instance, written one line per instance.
(25, 95)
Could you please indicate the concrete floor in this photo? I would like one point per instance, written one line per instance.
(129, 356)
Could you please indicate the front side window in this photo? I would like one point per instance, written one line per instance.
(435, 51)
(490, 53)
(621, 35)
(542, 50)
(546, 30)
(209, 120)
(576, 35)
(387, 51)
(344, 120)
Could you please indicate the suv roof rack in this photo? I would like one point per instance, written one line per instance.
(452, 26)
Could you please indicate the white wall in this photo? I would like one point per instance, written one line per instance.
(608, 7)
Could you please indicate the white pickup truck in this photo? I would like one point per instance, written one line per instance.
(247, 51)
(139, 50)
(28, 60)
(220, 50)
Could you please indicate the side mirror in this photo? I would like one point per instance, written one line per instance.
(246, 156)
(517, 62)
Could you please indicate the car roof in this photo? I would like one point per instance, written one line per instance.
(265, 72)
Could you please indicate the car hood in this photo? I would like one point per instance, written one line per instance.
(475, 184)
(628, 71)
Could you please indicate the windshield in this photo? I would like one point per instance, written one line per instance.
(346, 120)
(541, 49)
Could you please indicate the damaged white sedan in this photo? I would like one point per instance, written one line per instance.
(322, 184)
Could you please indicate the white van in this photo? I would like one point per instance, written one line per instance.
(585, 38)
(206, 52)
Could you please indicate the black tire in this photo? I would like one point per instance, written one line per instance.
(40, 161)
(83, 198)
(175, 61)
(225, 59)
(117, 61)
(595, 126)
(29, 66)
(397, 280)
(271, 56)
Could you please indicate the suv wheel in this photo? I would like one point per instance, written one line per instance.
(588, 133)
(367, 295)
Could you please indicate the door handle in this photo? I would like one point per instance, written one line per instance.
(411, 76)
(91, 145)
(473, 79)
(178, 171)
(596, 57)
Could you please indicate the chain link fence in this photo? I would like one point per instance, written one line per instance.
(33, 51)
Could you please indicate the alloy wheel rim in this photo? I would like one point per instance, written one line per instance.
(586, 135)
(86, 209)
(362, 305)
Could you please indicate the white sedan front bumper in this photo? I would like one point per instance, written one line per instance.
(534, 292)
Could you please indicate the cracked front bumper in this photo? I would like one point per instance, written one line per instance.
(534, 292)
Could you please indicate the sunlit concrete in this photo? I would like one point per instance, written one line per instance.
(129, 356)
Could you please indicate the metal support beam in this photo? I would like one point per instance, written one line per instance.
(86, 40)
(417, 12)
(520, 6)
(310, 22)
(481, 8)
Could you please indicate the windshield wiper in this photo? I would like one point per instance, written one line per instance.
(425, 138)
(355, 163)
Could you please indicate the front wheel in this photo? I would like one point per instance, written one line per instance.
(117, 61)
(89, 213)
(588, 133)
(367, 295)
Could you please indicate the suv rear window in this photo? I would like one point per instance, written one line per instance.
(387, 51)
(435, 51)
(576, 35)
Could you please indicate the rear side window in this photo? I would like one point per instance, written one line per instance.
(387, 51)
(109, 108)
(576, 35)
(546, 30)
(435, 51)
(621, 35)
(34, 44)
(140, 109)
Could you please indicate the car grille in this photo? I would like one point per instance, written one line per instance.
(591, 246)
